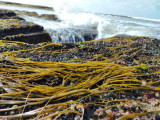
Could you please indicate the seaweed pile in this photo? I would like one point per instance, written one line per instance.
(107, 79)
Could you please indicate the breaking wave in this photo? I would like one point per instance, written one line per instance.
(99, 15)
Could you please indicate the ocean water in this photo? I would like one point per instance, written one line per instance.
(135, 8)
(108, 17)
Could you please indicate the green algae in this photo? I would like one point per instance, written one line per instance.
(144, 68)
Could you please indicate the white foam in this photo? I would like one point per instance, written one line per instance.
(81, 13)
(148, 19)
(74, 13)
(139, 8)
(143, 8)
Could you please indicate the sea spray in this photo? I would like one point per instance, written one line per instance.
(93, 15)
(136, 8)
(98, 15)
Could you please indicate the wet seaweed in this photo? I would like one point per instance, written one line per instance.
(56, 81)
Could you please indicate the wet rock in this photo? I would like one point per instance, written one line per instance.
(72, 34)
(32, 38)
(26, 13)
(7, 13)
(48, 16)
(87, 33)
(17, 29)
(34, 14)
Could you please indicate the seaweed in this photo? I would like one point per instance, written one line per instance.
(53, 81)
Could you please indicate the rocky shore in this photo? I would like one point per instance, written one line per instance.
(25, 5)
(14, 28)
(34, 14)
(74, 34)
(109, 79)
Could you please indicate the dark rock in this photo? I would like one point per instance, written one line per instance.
(21, 30)
(15, 26)
(7, 13)
(87, 33)
(157, 116)
(72, 34)
(32, 38)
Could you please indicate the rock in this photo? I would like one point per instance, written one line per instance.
(15, 26)
(7, 13)
(157, 116)
(87, 33)
(26, 13)
(72, 34)
(49, 17)
(32, 38)
(157, 95)
(17, 29)
(34, 14)
(25, 5)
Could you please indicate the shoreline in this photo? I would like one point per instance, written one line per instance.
(25, 5)
(105, 79)
(132, 26)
